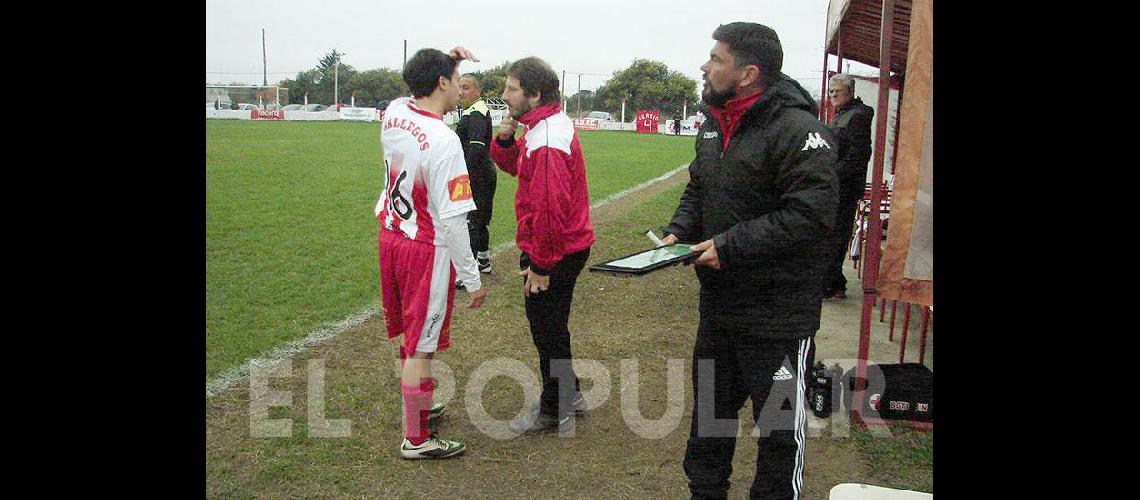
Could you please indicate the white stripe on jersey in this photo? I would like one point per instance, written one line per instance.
(425, 174)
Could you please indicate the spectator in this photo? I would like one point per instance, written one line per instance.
(852, 129)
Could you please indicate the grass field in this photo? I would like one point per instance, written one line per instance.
(649, 319)
(290, 232)
(291, 245)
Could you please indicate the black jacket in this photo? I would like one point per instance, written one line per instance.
(852, 129)
(768, 203)
(474, 130)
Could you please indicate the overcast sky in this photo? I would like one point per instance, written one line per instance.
(583, 36)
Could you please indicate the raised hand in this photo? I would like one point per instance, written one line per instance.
(507, 128)
(461, 54)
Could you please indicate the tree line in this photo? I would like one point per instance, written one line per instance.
(645, 84)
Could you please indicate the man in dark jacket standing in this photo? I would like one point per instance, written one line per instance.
(761, 203)
(474, 132)
(852, 129)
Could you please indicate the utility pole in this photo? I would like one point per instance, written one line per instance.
(264, 74)
(336, 81)
(579, 95)
(405, 55)
(563, 89)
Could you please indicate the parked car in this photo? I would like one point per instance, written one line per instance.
(246, 106)
(218, 105)
(601, 115)
(293, 107)
(314, 107)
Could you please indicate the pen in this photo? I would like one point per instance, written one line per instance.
(653, 237)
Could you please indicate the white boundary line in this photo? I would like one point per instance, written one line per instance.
(227, 378)
(638, 187)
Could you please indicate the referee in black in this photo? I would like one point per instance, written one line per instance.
(474, 132)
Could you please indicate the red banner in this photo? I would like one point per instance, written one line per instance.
(267, 114)
(587, 123)
(647, 121)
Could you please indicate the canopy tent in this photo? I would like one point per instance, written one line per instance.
(895, 36)
(859, 21)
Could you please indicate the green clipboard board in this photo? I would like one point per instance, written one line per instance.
(647, 261)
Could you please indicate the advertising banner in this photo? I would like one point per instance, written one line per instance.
(358, 114)
(587, 123)
(688, 127)
(647, 121)
(267, 114)
(497, 116)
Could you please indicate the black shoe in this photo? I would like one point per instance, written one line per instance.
(459, 286)
(484, 265)
(536, 421)
(579, 405)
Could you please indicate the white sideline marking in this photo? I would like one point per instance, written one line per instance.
(228, 377)
(638, 187)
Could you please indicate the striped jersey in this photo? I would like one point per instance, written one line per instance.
(425, 176)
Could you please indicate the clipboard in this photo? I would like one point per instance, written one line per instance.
(644, 262)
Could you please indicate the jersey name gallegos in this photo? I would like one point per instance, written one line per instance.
(411, 127)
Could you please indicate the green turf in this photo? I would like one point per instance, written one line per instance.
(290, 231)
(905, 460)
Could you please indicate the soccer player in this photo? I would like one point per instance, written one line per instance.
(423, 214)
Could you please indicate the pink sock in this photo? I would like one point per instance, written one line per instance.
(417, 403)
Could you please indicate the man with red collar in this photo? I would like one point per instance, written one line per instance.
(554, 234)
(760, 202)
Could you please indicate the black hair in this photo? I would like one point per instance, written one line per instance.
(535, 77)
(752, 43)
(424, 69)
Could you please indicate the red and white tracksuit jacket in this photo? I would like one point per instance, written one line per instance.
(552, 203)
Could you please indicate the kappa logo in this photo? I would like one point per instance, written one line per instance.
(814, 141)
(711, 135)
(782, 374)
